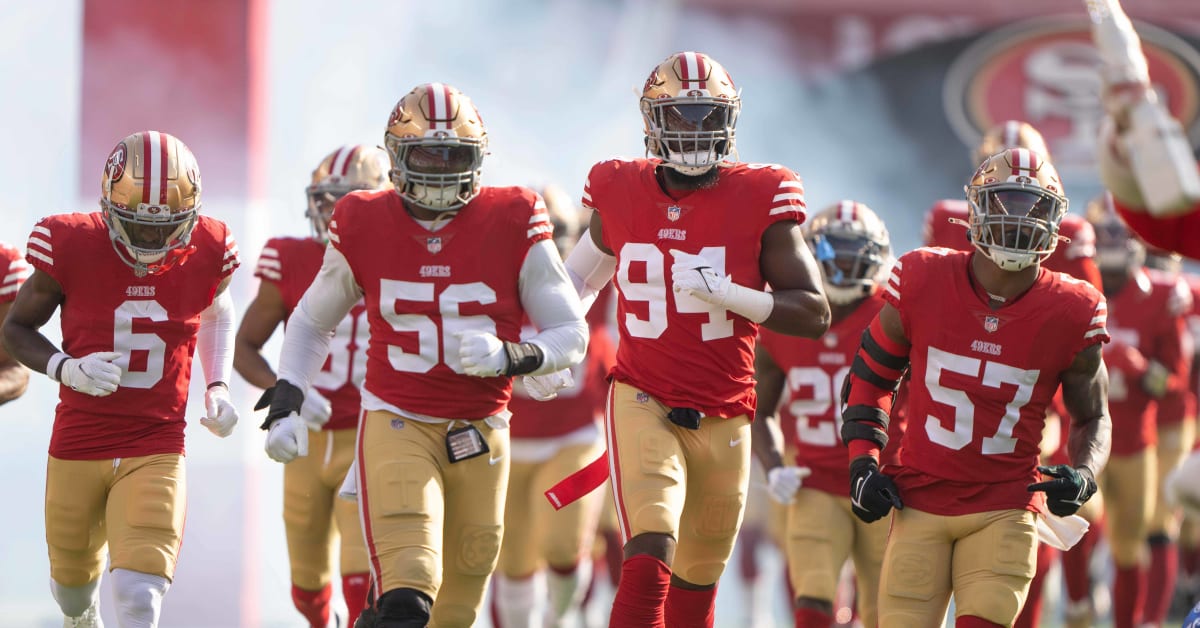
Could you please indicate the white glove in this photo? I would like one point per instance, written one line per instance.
(546, 387)
(1118, 43)
(316, 410)
(481, 353)
(287, 439)
(693, 275)
(783, 482)
(94, 374)
(222, 416)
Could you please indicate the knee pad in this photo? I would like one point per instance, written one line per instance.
(139, 597)
(403, 608)
(74, 601)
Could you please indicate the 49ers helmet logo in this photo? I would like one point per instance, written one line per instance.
(115, 166)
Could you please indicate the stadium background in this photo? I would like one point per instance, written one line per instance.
(870, 99)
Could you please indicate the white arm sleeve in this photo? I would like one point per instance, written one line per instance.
(214, 339)
(550, 301)
(310, 328)
(590, 269)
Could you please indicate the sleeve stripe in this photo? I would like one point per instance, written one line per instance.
(542, 228)
(333, 236)
(791, 183)
(1096, 332)
(539, 217)
(10, 289)
(892, 291)
(231, 253)
(1100, 319)
(230, 266)
(228, 239)
(270, 252)
(792, 196)
(17, 276)
(897, 265)
(270, 263)
(45, 258)
(784, 209)
(18, 264)
(42, 230)
(587, 195)
(269, 274)
(894, 278)
(42, 244)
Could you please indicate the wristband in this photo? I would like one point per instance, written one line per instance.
(55, 364)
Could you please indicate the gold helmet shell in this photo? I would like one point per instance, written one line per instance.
(853, 249)
(349, 168)
(1015, 204)
(436, 141)
(690, 107)
(149, 199)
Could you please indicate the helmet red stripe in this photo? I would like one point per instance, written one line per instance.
(146, 162)
(162, 168)
(349, 158)
(701, 71)
(684, 76)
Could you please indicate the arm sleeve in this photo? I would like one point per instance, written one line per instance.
(310, 328)
(214, 339)
(549, 299)
(590, 269)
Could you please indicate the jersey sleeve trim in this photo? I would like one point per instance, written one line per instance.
(230, 261)
(539, 223)
(270, 266)
(891, 289)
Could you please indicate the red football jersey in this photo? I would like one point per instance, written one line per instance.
(940, 232)
(291, 264)
(152, 320)
(1176, 234)
(981, 380)
(424, 287)
(1148, 315)
(815, 370)
(684, 351)
(16, 270)
(574, 407)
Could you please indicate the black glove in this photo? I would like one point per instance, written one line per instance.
(283, 399)
(872, 494)
(1068, 490)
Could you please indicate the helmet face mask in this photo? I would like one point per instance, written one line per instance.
(150, 200)
(341, 172)
(1118, 253)
(852, 248)
(1016, 205)
(690, 108)
(436, 141)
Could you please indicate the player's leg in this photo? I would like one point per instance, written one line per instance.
(994, 560)
(820, 533)
(401, 508)
(475, 492)
(870, 541)
(1130, 493)
(1031, 612)
(752, 534)
(914, 585)
(647, 473)
(1174, 442)
(353, 563)
(308, 525)
(717, 459)
(1078, 609)
(146, 508)
(568, 533)
(76, 534)
(518, 593)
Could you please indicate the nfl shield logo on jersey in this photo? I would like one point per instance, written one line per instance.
(673, 213)
(433, 244)
(991, 323)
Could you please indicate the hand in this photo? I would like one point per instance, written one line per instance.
(94, 374)
(546, 387)
(482, 353)
(783, 482)
(694, 275)
(872, 494)
(1154, 382)
(1068, 490)
(316, 410)
(222, 416)
(287, 439)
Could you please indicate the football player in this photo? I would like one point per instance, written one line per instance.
(990, 336)
(1146, 361)
(139, 285)
(546, 556)
(14, 377)
(692, 239)
(1146, 159)
(852, 246)
(448, 268)
(312, 515)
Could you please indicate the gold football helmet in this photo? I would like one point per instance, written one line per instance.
(149, 198)
(690, 108)
(853, 248)
(436, 141)
(345, 170)
(1016, 203)
(1010, 134)
(1118, 252)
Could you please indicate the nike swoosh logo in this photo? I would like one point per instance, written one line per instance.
(736, 442)
(493, 461)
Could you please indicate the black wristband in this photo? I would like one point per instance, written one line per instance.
(217, 383)
(523, 357)
(58, 370)
(283, 399)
